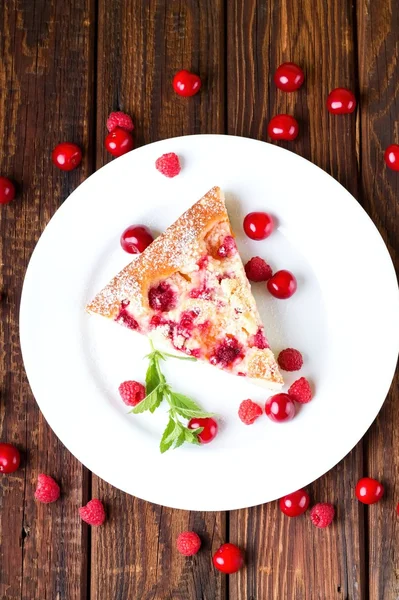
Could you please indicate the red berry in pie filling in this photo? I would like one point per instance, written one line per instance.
(249, 411)
(283, 127)
(300, 391)
(162, 297)
(132, 392)
(259, 340)
(7, 190)
(282, 285)
(391, 157)
(341, 101)
(289, 77)
(119, 142)
(226, 352)
(228, 248)
(66, 156)
(228, 559)
(9, 458)
(322, 514)
(258, 270)
(136, 238)
(125, 318)
(119, 119)
(295, 504)
(188, 543)
(369, 490)
(258, 225)
(290, 359)
(280, 408)
(186, 84)
(210, 428)
(168, 164)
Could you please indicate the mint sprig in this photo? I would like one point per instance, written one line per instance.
(157, 390)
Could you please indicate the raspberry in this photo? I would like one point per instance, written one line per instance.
(228, 248)
(226, 353)
(93, 513)
(258, 270)
(300, 391)
(119, 119)
(132, 392)
(188, 543)
(168, 164)
(259, 340)
(290, 360)
(162, 297)
(47, 489)
(322, 514)
(249, 411)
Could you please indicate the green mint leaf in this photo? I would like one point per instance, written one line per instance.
(152, 379)
(186, 407)
(191, 414)
(148, 402)
(164, 446)
(174, 434)
(180, 440)
(160, 392)
(190, 437)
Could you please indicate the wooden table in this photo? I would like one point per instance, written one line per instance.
(65, 64)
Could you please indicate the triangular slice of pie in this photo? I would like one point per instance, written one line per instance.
(189, 289)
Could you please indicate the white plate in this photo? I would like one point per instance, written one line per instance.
(344, 318)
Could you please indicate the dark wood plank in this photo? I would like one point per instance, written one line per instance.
(141, 46)
(289, 558)
(46, 69)
(378, 26)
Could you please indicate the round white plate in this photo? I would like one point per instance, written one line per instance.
(344, 318)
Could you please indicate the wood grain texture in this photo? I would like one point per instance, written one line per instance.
(378, 33)
(289, 558)
(45, 97)
(141, 46)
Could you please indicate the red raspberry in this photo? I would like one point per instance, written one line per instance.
(300, 391)
(322, 514)
(47, 489)
(168, 164)
(119, 119)
(249, 411)
(188, 543)
(132, 392)
(258, 270)
(93, 513)
(290, 360)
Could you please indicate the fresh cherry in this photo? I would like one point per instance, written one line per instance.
(283, 127)
(341, 101)
(369, 490)
(391, 157)
(7, 190)
(280, 408)
(295, 504)
(186, 84)
(135, 239)
(228, 559)
(210, 428)
(258, 225)
(289, 77)
(119, 141)
(9, 458)
(66, 156)
(282, 285)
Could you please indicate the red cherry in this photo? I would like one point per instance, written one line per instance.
(228, 559)
(210, 428)
(9, 458)
(7, 190)
(258, 225)
(391, 157)
(66, 156)
(136, 238)
(289, 77)
(119, 141)
(295, 504)
(397, 509)
(280, 408)
(341, 101)
(369, 490)
(283, 127)
(186, 84)
(282, 285)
